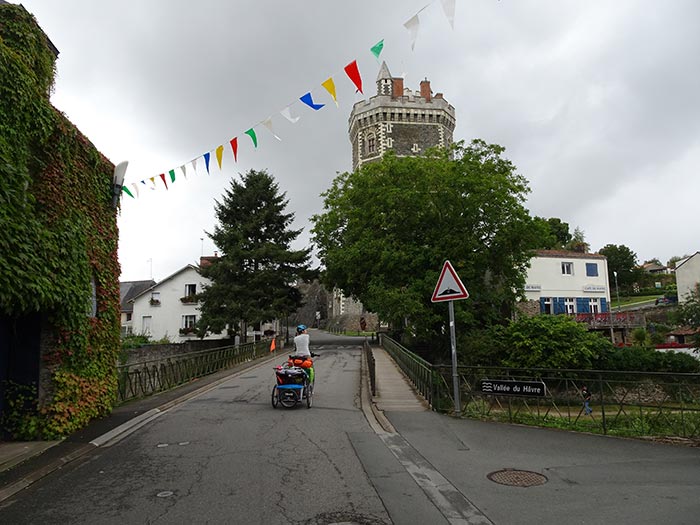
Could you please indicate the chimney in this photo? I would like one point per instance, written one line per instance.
(397, 87)
(206, 260)
(425, 89)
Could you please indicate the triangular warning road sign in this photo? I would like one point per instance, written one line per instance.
(449, 287)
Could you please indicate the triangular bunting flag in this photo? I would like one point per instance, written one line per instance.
(126, 190)
(309, 101)
(287, 113)
(162, 177)
(412, 26)
(330, 87)
(376, 49)
(354, 74)
(194, 165)
(184, 170)
(153, 183)
(253, 136)
(219, 155)
(172, 175)
(136, 188)
(206, 160)
(234, 147)
(449, 7)
(268, 124)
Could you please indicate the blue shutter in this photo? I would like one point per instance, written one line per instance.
(559, 305)
(541, 305)
(603, 305)
(582, 305)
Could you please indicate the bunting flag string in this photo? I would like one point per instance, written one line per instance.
(351, 70)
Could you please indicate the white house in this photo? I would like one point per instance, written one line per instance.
(688, 276)
(169, 309)
(561, 282)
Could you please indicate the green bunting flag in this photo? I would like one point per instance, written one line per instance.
(253, 137)
(376, 49)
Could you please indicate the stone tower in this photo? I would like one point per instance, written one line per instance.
(399, 119)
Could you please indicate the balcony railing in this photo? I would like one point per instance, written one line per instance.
(616, 319)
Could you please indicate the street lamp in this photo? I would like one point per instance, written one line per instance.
(617, 292)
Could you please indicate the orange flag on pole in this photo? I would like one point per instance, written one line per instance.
(273, 346)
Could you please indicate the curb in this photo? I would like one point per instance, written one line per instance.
(375, 417)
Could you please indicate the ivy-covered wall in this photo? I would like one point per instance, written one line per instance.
(58, 243)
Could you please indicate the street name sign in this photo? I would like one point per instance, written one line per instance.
(507, 387)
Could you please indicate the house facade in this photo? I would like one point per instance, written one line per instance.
(127, 291)
(688, 276)
(168, 309)
(566, 282)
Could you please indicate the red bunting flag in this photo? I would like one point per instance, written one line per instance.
(354, 74)
(162, 176)
(234, 148)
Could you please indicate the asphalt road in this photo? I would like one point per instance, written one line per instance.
(226, 456)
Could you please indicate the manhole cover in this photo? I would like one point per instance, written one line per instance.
(517, 478)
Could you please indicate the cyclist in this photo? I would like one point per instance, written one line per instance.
(301, 345)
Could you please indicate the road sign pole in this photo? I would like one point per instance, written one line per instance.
(455, 374)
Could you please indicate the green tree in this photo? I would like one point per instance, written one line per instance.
(254, 280)
(688, 313)
(623, 261)
(555, 233)
(552, 341)
(387, 229)
(578, 243)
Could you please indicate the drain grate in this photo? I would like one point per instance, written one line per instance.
(517, 478)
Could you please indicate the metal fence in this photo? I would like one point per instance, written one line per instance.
(632, 404)
(371, 366)
(148, 377)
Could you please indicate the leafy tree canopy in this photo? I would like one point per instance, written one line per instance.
(551, 341)
(623, 261)
(578, 243)
(555, 233)
(255, 278)
(388, 228)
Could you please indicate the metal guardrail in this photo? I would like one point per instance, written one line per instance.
(149, 377)
(371, 365)
(631, 404)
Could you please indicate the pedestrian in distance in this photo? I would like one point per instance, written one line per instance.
(586, 395)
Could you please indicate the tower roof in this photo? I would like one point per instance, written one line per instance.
(384, 72)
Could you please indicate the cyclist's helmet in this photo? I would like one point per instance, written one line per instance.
(301, 328)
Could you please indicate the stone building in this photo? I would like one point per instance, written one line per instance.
(399, 119)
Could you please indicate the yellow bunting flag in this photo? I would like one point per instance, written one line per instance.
(219, 155)
(330, 87)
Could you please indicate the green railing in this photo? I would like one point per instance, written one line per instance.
(149, 377)
(636, 404)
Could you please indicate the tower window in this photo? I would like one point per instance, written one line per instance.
(371, 144)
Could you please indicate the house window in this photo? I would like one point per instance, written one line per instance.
(190, 290)
(567, 268)
(155, 299)
(594, 306)
(146, 324)
(188, 321)
(128, 317)
(547, 305)
(592, 269)
(570, 305)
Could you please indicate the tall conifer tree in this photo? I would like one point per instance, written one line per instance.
(254, 280)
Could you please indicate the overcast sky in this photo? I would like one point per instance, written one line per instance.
(596, 102)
